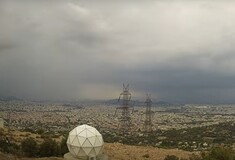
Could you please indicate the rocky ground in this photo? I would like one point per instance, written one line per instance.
(118, 151)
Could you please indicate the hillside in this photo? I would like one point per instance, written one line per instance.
(118, 151)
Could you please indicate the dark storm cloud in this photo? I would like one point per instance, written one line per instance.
(180, 51)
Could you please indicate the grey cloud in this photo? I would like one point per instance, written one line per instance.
(180, 51)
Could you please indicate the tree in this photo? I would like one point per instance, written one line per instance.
(29, 147)
(49, 148)
(63, 146)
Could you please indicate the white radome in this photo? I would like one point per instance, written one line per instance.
(85, 141)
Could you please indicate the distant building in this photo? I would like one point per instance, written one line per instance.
(1, 123)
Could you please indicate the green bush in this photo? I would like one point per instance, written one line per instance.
(29, 147)
(217, 153)
(63, 147)
(49, 148)
(220, 153)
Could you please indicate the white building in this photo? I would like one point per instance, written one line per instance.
(85, 142)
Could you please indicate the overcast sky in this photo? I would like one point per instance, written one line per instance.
(179, 51)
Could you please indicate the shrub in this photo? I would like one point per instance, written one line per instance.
(220, 153)
(63, 147)
(49, 148)
(29, 147)
(217, 153)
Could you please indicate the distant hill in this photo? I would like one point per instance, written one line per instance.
(135, 102)
(9, 98)
(162, 103)
(87, 102)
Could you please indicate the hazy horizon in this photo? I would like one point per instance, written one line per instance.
(179, 51)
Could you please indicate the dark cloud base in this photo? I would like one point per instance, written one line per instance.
(181, 52)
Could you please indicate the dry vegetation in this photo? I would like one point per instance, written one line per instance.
(17, 136)
(118, 151)
(12, 157)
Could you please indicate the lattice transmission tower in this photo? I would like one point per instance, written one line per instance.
(125, 118)
(148, 115)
